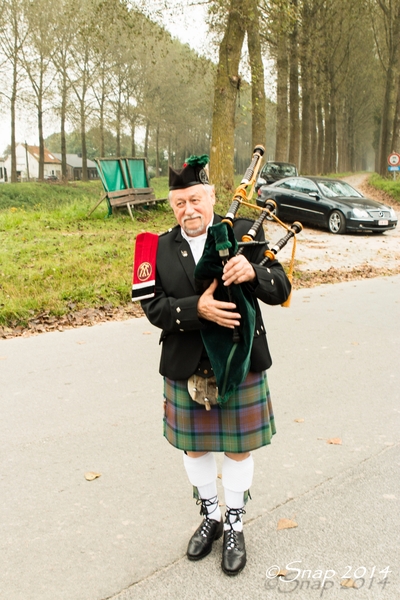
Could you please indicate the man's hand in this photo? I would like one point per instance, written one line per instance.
(238, 270)
(217, 311)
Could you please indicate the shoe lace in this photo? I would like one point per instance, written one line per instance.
(231, 537)
(205, 505)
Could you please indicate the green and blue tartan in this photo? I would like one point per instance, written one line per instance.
(244, 423)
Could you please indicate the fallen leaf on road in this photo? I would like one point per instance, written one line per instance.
(91, 475)
(299, 420)
(282, 573)
(336, 441)
(146, 332)
(286, 524)
(348, 583)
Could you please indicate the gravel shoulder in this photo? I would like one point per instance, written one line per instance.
(362, 254)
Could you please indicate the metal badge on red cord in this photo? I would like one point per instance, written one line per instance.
(144, 266)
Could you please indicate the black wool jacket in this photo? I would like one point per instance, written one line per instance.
(174, 307)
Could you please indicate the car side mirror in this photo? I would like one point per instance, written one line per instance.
(314, 195)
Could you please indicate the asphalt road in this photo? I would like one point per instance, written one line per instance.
(90, 399)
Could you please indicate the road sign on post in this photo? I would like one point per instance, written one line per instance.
(394, 159)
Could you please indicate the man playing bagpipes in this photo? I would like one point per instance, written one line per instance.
(216, 396)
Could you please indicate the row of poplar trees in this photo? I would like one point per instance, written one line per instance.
(102, 64)
(338, 87)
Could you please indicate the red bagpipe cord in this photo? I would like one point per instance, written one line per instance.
(144, 266)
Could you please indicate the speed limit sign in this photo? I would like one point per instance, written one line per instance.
(394, 159)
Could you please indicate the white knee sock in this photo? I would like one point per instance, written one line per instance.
(202, 473)
(237, 477)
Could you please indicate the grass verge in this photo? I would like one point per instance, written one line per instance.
(54, 260)
(389, 186)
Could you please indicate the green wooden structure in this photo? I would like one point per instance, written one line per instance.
(125, 182)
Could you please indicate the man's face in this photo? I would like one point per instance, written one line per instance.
(193, 208)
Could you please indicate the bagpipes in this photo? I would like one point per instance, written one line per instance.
(229, 352)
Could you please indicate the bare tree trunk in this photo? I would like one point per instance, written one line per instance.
(333, 122)
(321, 136)
(282, 129)
(395, 145)
(305, 119)
(83, 142)
(64, 173)
(40, 122)
(118, 124)
(41, 140)
(351, 143)
(328, 141)
(294, 144)
(258, 122)
(14, 177)
(133, 142)
(226, 87)
(146, 140)
(157, 151)
(101, 127)
(313, 134)
(385, 136)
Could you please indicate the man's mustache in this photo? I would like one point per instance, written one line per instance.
(194, 216)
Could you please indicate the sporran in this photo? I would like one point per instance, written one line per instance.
(202, 385)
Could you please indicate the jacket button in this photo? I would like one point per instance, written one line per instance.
(178, 322)
(178, 310)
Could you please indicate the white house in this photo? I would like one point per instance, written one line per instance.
(74, 166)
(28, 163)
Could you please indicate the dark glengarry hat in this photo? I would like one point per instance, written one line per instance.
(193, 173)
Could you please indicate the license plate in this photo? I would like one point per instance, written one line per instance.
(383, 222)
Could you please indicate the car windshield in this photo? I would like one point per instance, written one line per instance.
(331, 189)
(281, 170)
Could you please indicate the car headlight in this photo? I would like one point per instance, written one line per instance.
(393, 216)
(360, 213)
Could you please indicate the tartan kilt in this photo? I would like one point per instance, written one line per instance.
(245, 422)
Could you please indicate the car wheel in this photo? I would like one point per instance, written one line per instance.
(336, 222)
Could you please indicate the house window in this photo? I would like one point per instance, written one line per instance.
(1, 172)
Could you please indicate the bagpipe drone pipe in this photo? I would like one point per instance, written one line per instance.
(229, 351)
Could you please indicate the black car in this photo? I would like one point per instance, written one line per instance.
(273, 171)
(328, 203)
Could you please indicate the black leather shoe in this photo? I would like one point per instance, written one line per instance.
(234, 552)
(200, 544)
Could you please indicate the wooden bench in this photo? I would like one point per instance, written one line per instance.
(123, 172)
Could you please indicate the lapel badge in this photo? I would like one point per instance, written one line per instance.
(184, 253)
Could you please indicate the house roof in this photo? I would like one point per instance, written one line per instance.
(49, 157)
(75, 161)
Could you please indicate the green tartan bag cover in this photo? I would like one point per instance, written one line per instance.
(230, 360)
